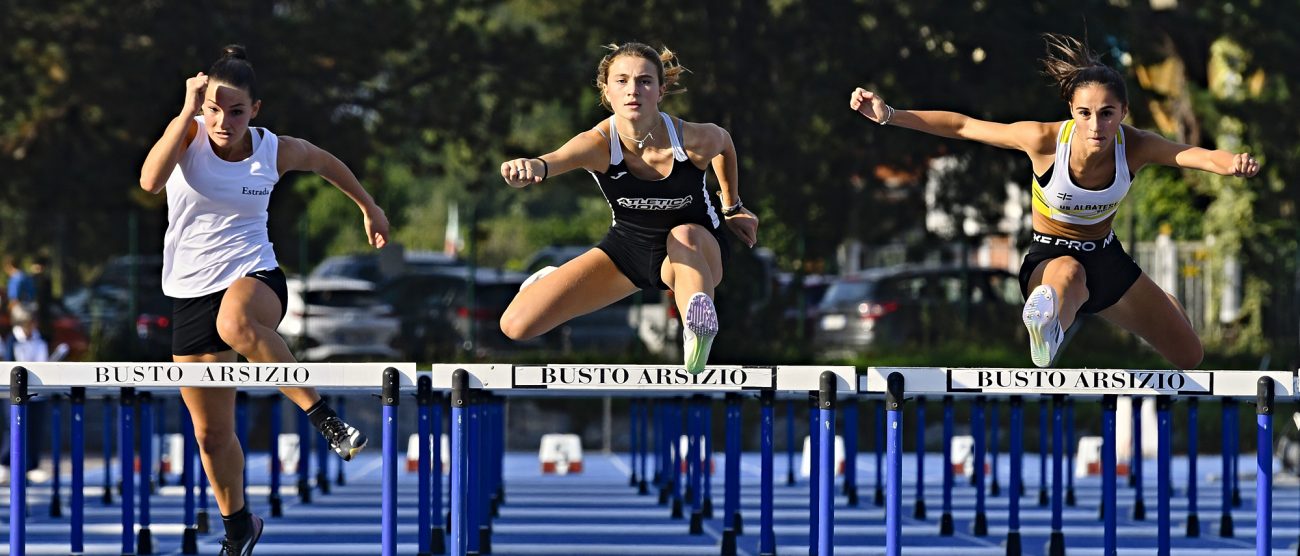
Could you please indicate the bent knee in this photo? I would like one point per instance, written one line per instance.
(690, 236)
(1069, 269)
(236, 332)
(215, 440)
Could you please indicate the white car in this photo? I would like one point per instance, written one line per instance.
(331, 319)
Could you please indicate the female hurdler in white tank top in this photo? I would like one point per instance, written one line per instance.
(216, 216)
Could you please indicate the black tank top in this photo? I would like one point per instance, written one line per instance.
(650, 209)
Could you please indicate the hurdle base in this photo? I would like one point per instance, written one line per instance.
(697, 522)
(738, 523)
(201, 519)
(851, 492)
(339, 479)
(304, 491)
(879, 498)
(643, 488)
(484, 540)
(708, 508)
(1056, 544)
(995, 488)
(323, 481)
(1236, 497)
(107, 498)
(789, 478)
(980, 527)
(632, 481)
(663, 496)
(144, 541)
(728, 542)
(190, 541)
(1042, 497)
(945, 525)
(56, 506)
(1139, 510)
(1069, 497)
(1193, 526)
(438, 542)
(277, 505)
(1013, 544)
(1225, 526)
(677, 509)
(919, 511)
(494, 506)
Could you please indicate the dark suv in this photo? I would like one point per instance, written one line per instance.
(920, 306)
(438, 318)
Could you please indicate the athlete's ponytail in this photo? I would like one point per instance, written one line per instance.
(1070, 64)
(670, 70)
(233, 69)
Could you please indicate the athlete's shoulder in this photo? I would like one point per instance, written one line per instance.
(1038, 137)
(703, 137)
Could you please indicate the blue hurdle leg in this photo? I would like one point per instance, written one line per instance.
(110, 418)
(695, 469)
(766, 531)
(341, 408)
(945, 520)
(1108, 487)
(1264, 468)
(893, 508)
(731, 496)
(1234, 440)
(322, 460)
(1013, 501)
(18, 461)
(633, 435)
(643, 487)
(144, 539)
(126, 423)
(1056, 541)
(1043, 448)
(474, 486)
(391, 395)
(1229, 429)
(918, 511)
(241, 432)
(56, 454)
(1193, 522)
(706, 424)
(826, 463)
(851, 451)
(1164, 455)
(1139, 502)
(78, 496)
(1070, 447)
(995, 423)
(789, 442)
(880, 451)
(424, 516)
(677, 459)
(979, 527)
(814, 472)
(277, 465)
(190, 472)
(459, 500)
(304, 458)
(438, 538)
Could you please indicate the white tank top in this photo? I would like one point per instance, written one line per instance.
(1063, 201)
(216, 216)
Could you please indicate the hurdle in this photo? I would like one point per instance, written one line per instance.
(138, 382)
(1265, 386)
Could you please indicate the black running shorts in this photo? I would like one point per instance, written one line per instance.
(640, 258)
(1109, 270)
(194, 320)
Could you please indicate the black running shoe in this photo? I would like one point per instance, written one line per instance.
(345, 440)
(244, 546)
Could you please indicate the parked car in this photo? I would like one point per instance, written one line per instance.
(333, 319)
(812, 290)
(369, 266)
(918, 306)
(103, 309)
(439, 319)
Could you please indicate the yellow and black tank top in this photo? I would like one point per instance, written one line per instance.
(1058, 198)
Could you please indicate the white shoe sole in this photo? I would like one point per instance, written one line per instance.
(1041, 320)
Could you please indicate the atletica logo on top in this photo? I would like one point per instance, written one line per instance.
(653, 204)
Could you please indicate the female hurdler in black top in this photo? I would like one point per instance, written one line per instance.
(666, 229)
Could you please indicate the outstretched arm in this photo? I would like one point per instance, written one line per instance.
(715, 142)
(587, 150)
(301, 155)
(164, 155)
(1154, 149)
(1030, 137)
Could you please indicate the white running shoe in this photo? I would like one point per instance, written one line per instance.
(536, 276)
(701, 320)
(1045, 333)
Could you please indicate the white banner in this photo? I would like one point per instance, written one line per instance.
(1081, 381)
(240, 375)
(640, 377)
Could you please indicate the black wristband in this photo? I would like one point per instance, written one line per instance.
(546, 170)
(732, 210)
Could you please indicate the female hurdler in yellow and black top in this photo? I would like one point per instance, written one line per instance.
(1083, 168)
(666, 231)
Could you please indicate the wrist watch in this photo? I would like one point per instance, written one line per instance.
(729, 211)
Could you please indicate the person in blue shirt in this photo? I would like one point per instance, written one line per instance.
(21, 289)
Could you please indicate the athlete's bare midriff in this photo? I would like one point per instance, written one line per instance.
(1082, 232)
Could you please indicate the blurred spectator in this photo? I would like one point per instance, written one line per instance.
(44, 294)
(27, 346)
(21, 289)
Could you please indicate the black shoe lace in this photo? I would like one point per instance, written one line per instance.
(227, 548)
(334, 429)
